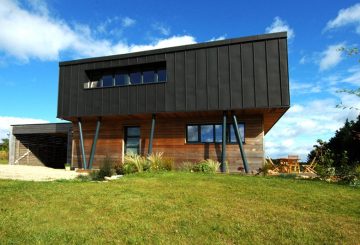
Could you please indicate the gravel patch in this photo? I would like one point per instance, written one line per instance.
(34, 173)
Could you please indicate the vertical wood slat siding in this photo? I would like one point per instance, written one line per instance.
(170, 139)
(234, 76)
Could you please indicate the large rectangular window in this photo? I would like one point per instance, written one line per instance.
(212, 133)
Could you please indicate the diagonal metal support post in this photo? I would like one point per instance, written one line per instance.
(223, 150)
(239, 140)
(82, 144)
(93, 147)
(151, 134)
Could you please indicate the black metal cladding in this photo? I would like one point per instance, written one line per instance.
(249, 72)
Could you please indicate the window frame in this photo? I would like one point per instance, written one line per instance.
(228, 136)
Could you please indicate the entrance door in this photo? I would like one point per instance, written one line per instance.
(132, 140)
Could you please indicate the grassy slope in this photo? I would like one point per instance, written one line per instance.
(179, 208)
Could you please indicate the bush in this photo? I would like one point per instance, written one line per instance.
(207, 166)
(105, 170)
(186, 166)
(119, 169)
(134, 163)
(158, 162)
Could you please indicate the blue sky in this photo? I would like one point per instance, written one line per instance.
(36, 34)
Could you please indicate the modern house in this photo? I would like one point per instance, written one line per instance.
(209, 100)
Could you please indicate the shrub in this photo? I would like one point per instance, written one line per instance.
(134, 163)
(119, 169)
(207, 166)
(105, 170)
(157, 162)
(186, 166)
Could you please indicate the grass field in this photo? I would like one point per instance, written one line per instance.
(4, 161)
(179, 208)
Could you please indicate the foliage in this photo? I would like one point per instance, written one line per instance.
(266, 168)
(134, 163)
(4, 146)
(179, 208)
(158, 162)
(207, 166)
(4, 155)
(340, 156)
(106, 170)
(186, 166)
(119, 168)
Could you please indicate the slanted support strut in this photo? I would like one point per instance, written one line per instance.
(239, 140)
(82, 143)
(151, 134)
(93, 147)
(223, 150)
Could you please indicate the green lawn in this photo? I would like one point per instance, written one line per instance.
(179, 208)
(4, 161)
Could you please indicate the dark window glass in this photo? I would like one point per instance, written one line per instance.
(192, 133)
(121, 79)
(135, 77)
(161, 75)
(232, 133)
(218, 133)
(207, 133)
(107, 81)
(149, 76)
(133, 131)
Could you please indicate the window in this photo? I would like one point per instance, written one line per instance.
(107, 81)
(121, 79)
(207, 133)
(192, 133)
(149, 76)
(212, 133)
(132, 75)
(132, 140)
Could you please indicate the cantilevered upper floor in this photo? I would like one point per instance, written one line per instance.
(233, 74)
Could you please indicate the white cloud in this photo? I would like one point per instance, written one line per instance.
(330, 57)
(347, 16)
(127, 22)
(297, 131)
(222, 37)
(280, 25)
(26, 34)
(6, 122)
(162, 28)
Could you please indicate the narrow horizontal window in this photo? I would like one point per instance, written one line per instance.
(161, 73)
(107, 81)
(232, 133)
(149, 76)
(218, 133)
(135, 77)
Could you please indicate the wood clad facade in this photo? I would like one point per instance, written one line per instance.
(170, 138)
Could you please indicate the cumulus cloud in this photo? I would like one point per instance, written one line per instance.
(280, 25)
(28, 34)
(346, 16)
(330, 57)
(162, 28)
(217, 38)
(127, 22)
(297, 131)
(6, 122)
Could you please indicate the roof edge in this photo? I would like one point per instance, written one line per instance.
(252, 38)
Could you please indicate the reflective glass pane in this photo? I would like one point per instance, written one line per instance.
(207, 133)
(135, 77)
(161, 75)
(132, 150)
(107, 81)
(192, 133)
(133, 131)
(121, 79)
(149, 76)
(232, 133)
(218, 133)
(132, 142)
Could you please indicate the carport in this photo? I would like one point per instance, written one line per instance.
(41, 144)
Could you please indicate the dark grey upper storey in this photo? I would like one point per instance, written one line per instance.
(241, 73)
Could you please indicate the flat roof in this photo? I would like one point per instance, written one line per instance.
(180, 48)
(41, 128)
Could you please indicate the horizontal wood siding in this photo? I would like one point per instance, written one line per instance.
(169, 138)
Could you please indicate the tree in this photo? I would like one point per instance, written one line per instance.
(4, 146)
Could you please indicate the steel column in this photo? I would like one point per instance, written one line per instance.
(93, 147)
(239, 140)
(151, 134)
(82, 144)
(223, 150)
